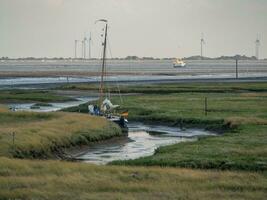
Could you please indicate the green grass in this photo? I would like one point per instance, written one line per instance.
(245, 149)
(188, 106)
(22, 96)
(238, 110)
(46, 135)
(173, 88)
(23, 179)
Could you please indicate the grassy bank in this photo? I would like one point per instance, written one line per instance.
(245, 149)
(173, 88)
(238, 110)
(185, 103)
(24, 96)
(22, 179)
(44, 135)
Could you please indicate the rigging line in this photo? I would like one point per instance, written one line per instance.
(99, 68)
(117, 84)
(108, 95)
(106, 85)
(105, 78)
(109, 48)
(118, 88)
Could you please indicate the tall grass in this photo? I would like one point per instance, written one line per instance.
(244, 149)
(174, 88)
(7, 96)
(41, 135)
(238, 110)
(188, 107)
(23, 179)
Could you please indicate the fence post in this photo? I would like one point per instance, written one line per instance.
(206, 106)
(181, 124)
(236, 68)
(13, 140)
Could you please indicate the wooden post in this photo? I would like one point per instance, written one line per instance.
(13, 140)
(181, 124)
(236, 68)
(206, 106)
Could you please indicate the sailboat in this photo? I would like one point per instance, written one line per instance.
(105, 108)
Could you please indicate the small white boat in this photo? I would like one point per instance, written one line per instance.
(179, 63)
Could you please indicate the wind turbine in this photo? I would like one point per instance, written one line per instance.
(75, 48)
(257, 47)
(82, 42)
(89, 46)
(84, 47)
(202, 42)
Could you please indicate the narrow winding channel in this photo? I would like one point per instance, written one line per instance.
(142, 141)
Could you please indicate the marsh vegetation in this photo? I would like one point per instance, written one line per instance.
(23, 179)
(38, 96)
(237, 110)
(231, 166)
(46, 135)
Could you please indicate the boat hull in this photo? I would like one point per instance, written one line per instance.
(122, 123)
(179, 65)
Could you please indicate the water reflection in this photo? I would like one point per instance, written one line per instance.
(139, 143)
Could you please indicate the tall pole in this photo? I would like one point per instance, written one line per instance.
(76, 41)
(202, 42)
(13, 140)
(103, 66)
(206, 106)
(89, 45)
(236, 68)
(84, 47)
(257, 43)
(201, 49)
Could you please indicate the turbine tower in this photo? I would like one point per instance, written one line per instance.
(84, 47)
(75, 48)
(89, 46)
(202, 42)
(257, 47)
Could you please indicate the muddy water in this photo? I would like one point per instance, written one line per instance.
(139, 143)
(52, 107)
(142, 139)
(134, 70)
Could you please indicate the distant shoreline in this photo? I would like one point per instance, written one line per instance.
(236, 57)
(135, 82)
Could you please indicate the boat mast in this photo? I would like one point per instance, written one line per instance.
(103, 65)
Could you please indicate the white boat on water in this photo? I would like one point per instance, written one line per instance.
(179, 63)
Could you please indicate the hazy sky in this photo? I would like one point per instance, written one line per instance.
(158, 28)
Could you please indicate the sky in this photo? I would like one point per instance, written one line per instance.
(157, 28)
